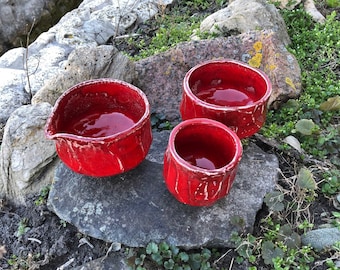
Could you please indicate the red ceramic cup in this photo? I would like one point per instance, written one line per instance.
(201, 161)
(101, 127)
(228, 91)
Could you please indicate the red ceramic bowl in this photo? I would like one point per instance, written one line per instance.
(201, 160)
(228, 91)
(101, 127)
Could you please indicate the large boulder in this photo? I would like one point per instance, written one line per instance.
(24, 19)
(247, 15)
(25, 152)
(12, 93)
(161, 75)
(85, 63)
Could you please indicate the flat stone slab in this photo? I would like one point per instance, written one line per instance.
(135, 208)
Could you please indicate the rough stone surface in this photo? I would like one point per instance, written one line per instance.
(87, 63)
(135, 208)
(17, 18)
(95, 22)
(25, 152)
(161, 76)
(247, 15)
(12, 94)
(321, 238)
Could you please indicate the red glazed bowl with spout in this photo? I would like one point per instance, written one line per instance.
(101, 127)
(228, 91)
(201, 161)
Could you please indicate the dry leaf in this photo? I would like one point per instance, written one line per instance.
(3, 251)
(332, 104)
(293, 142)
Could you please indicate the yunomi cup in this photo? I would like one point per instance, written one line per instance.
(228, 91)
(101, 127)
(201, 161)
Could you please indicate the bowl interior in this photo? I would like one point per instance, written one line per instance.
(227, 84)
(205, 146)
(99, 109)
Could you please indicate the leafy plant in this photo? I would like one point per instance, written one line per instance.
(333, 3)
(42, 196)
(331, 183)
(274, 200)
(270, 252)
(279, 247)
(335, 219)
(247, 247)
(22, 228)
(159, 122)
(63, 223)
(170, 257)
(23, 263)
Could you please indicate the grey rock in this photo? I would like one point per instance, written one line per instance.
(94, 22)
(17, 17)
(85, 63)
(158, 147)
(160, 76)
(321, 238)
(247, 15)
(13, 59)
(135, 208)
(44, 63)
(12, 93)
(25, 152)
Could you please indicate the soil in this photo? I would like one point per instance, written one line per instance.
(35, 238)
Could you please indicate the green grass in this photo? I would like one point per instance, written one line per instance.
(172, 28)
(316, 48)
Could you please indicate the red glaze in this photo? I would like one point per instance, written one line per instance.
(201, 160)
(101, 127)
(228, 91)
(100, 124)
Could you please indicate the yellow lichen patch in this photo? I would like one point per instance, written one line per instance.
(168, 71)
(270, 67)
(257, 46)
(290, 83)
(256, 60)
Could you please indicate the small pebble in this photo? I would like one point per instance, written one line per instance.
(321, 238)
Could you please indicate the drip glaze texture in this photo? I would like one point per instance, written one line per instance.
(101, 127)
(227, 91)
(201, 161)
